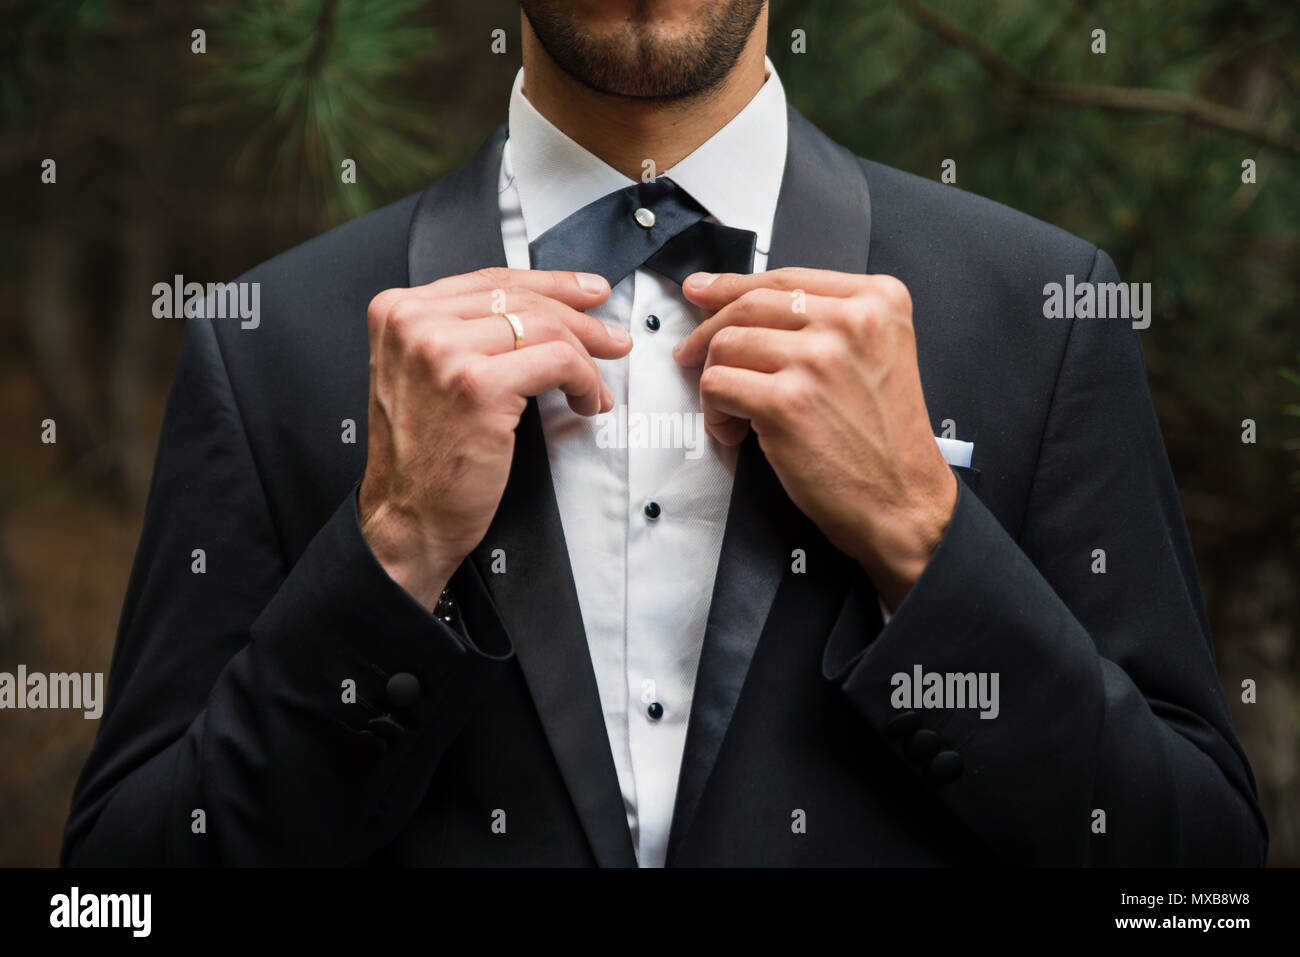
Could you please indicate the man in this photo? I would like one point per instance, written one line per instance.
(919, 593)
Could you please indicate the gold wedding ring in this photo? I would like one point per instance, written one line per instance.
(516, 327)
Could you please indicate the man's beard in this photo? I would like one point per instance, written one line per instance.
(638, 61)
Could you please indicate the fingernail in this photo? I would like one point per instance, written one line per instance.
(701, 279)
(619, 334)
(590, 282)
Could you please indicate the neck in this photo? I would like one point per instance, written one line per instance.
(626, 131)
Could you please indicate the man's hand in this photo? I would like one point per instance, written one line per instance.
(447, 388)
(823, 366)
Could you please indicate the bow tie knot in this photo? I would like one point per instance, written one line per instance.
(655, 225)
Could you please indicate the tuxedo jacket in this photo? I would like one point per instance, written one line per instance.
(291, 704)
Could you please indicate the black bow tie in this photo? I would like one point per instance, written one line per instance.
(656, 225)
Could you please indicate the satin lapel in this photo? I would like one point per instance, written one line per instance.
(823, 220)
(456, 228)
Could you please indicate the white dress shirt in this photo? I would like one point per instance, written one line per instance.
(644, 585)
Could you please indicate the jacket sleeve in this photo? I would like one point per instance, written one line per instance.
(262, 711)
(1112, 743)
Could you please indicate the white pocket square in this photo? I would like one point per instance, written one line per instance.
(955, 452)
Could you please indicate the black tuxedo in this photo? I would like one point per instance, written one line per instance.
(227, 688)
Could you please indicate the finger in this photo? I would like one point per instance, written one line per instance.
(605, 341)
(753, 347)
(577, 289)
(447, 342)
(730, 398)
(713, 291)
(602, 340)
(550, 365)
(727, 429)
(760, 307)
(493, 335)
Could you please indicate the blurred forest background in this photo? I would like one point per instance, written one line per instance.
(172, 161)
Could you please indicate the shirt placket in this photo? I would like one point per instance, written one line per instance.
(656, 709)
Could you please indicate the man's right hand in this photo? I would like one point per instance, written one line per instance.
(447, 388)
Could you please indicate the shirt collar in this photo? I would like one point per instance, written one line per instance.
(735, 174)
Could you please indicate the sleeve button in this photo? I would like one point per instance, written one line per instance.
(403, 689)
(945, 767)
(903, 725)
(923, 745)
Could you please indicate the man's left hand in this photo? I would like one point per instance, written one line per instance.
(822, 365)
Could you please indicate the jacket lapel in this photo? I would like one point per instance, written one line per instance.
(823, 220)
(456, 228)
